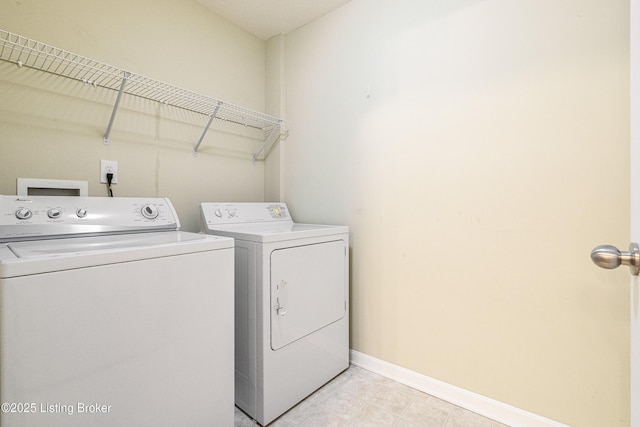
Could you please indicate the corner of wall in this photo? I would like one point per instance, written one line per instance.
(275, 105)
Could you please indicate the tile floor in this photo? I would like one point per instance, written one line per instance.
(360, 398)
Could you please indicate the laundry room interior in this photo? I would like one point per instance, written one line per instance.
(478, 150)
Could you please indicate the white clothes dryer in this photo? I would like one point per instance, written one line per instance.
(291, 304)
(109, 316)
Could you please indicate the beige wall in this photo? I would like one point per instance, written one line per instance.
(53, 128)
(478, 151)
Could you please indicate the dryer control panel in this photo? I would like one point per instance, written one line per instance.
(41, 217)
(242, 213)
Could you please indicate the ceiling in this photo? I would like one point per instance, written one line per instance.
(268, 18)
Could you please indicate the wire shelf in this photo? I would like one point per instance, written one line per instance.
(25, 52)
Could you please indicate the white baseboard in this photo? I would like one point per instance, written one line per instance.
(474, 402)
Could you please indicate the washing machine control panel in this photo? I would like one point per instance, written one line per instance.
(238, 213)
(32, 217)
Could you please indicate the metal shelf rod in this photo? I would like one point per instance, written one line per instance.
(206, 129)
(115, 108)
(264, 144)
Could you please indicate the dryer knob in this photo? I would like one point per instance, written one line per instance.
(218, 213)
(81, 212)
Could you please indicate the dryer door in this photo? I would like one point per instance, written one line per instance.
(308, 290)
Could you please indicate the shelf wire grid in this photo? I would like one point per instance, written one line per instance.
(26, 52)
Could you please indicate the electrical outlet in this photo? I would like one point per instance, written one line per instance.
(108, 166)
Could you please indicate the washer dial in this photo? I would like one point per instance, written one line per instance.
(149, 211)
(54, 213)
(23, 213)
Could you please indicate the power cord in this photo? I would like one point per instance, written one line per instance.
(109, 179)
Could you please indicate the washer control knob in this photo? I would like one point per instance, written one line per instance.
(232, 213)
(149, 211)
(24, 213)
(218, 213)
(54, 213)
(277, 211)
(81, 212)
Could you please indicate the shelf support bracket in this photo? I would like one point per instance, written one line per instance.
(206, 128)
(107, 134)
(264, 144)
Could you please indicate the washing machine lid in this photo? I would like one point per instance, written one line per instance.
(40, 256)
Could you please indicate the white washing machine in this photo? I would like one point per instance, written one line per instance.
(291, 300)
(109, 316)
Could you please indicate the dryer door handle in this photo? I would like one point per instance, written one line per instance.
(282, 298)
(280, 309)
